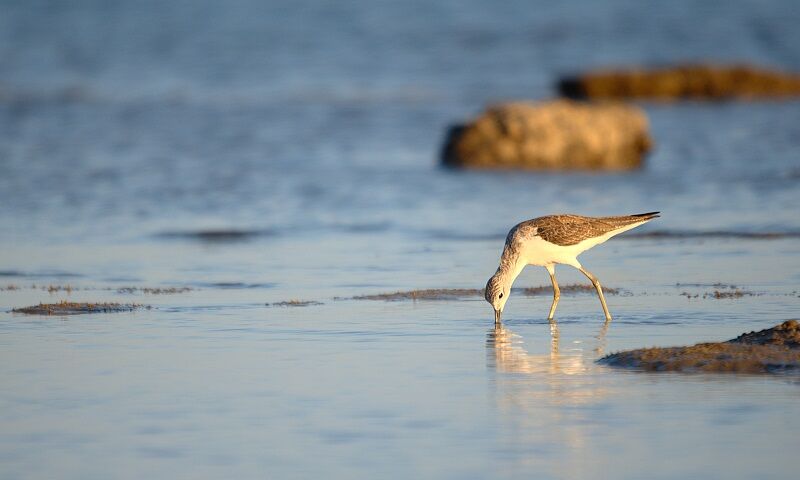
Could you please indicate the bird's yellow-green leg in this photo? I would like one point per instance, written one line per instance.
(551, 269)
(599, 289)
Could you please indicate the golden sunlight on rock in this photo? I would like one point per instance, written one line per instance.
(692, 82)
(554, 135)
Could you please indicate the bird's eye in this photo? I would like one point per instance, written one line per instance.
(501, 296)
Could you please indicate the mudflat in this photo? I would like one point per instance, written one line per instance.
(771, 350)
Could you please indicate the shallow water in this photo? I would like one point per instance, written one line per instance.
(261, 154)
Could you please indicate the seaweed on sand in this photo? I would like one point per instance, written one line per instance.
(154, 290)
(75, 308)
(426, 294)
(459, 293)
(722, 294)
(775, 349)
(295, 303)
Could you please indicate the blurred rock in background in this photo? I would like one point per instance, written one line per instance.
(689, 81)
(553, 135)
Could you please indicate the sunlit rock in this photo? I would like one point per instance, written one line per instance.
(554, 135)
(695, 82)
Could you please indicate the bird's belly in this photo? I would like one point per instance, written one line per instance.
(540, 252)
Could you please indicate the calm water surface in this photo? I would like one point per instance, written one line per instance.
(260, 152)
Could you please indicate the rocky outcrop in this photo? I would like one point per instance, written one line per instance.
(695, 82)
(787, 334)
(770, 350)
(554, 135)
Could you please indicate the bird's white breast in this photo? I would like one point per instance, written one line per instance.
(537, 251)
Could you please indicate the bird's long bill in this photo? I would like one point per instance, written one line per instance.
(496, 316)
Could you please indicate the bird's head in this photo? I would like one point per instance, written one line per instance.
(497, 291)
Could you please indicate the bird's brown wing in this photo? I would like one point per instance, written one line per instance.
(566, 230)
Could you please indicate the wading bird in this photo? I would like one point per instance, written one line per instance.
(552, 239)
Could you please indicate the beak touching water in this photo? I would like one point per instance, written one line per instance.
(497, 317)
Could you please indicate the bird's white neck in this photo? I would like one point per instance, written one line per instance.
(510, 268)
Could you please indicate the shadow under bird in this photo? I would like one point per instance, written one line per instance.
(552, 239)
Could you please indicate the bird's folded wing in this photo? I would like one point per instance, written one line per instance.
(571, 229)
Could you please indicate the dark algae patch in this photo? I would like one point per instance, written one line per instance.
(572, 288)
(775, 349)
(720, 294)
(68, 289)
(76, 308)
(721, 291)
(49, 288)
(458, 293)
(295, 303)
(428, 294)
(155, 290)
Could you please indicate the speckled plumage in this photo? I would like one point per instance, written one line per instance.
(572, 229)
(550, 240)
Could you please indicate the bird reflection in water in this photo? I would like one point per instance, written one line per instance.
(547, 401)
(506, 353)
